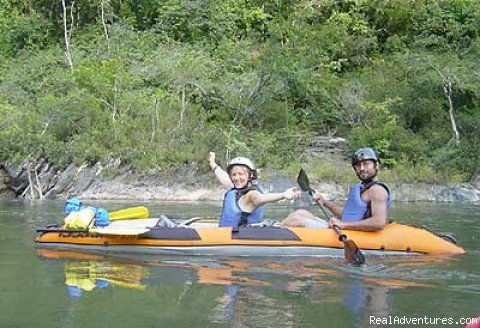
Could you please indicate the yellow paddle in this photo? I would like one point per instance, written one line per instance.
(138, 212)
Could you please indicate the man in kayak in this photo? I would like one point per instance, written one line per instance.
(244, 199)
(367, 204)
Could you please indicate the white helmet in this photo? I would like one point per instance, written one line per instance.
(244, 162)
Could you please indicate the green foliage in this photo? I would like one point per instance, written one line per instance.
(446, 24)
(160, 83)
(19, 32)
(380, 129)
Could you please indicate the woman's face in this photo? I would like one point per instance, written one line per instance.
(240, 176)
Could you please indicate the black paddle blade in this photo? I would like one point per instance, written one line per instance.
(302, 181)
(353, 255)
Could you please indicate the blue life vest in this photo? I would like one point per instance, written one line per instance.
(356, 209)
(232, 215)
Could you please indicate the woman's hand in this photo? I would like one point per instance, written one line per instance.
(292, 193)
(211, 160)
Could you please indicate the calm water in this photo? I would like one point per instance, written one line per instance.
(133, 291)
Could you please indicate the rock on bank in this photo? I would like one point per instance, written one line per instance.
(190, 182)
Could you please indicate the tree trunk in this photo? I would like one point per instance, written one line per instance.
(104, 24)
(285, 101)
(447, 88)
(66, 34)
(184, 105)
(155, 120)
(38, 186)
(30, 180)
(34, 185)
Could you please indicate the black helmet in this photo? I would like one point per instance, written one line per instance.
(363, 154)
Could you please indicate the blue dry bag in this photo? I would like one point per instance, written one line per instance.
(101, 218)
(73, 205)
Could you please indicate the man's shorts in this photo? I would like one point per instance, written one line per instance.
(316, 223)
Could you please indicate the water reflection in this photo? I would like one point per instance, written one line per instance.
(250, 292)
(258, 292)
(86, 272)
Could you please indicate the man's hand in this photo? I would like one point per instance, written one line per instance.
(334, 221)
(318, 199)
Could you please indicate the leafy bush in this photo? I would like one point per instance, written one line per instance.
(160, 83)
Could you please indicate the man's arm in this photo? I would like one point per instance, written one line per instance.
(332, 207)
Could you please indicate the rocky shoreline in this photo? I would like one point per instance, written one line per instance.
(114, 181)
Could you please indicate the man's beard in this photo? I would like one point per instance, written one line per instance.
(369, 178)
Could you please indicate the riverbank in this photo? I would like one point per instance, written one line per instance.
(192, 182)
(182, 192)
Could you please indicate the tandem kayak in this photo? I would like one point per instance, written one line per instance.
(146, 237)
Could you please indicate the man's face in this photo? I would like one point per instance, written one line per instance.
(366, 169)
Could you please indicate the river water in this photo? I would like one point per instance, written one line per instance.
(47, 288)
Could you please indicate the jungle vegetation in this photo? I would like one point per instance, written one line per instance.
(159, 83)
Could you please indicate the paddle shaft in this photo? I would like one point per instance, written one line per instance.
(310, 192)
(60, 230)
(304, 184)
(341, 236)
(353, 254)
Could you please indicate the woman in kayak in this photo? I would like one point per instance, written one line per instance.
(244, 199)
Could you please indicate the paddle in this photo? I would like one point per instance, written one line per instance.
(138, 212)
(353, 254)
(199, 218)
(119, 231)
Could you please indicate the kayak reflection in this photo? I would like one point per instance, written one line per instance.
(229, 289)
(85, 272)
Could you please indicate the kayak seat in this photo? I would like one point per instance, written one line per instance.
(263, 233)
(172, 233)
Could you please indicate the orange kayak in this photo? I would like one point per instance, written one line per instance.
(244, 241)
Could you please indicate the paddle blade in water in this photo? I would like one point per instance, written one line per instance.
(353, 255)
